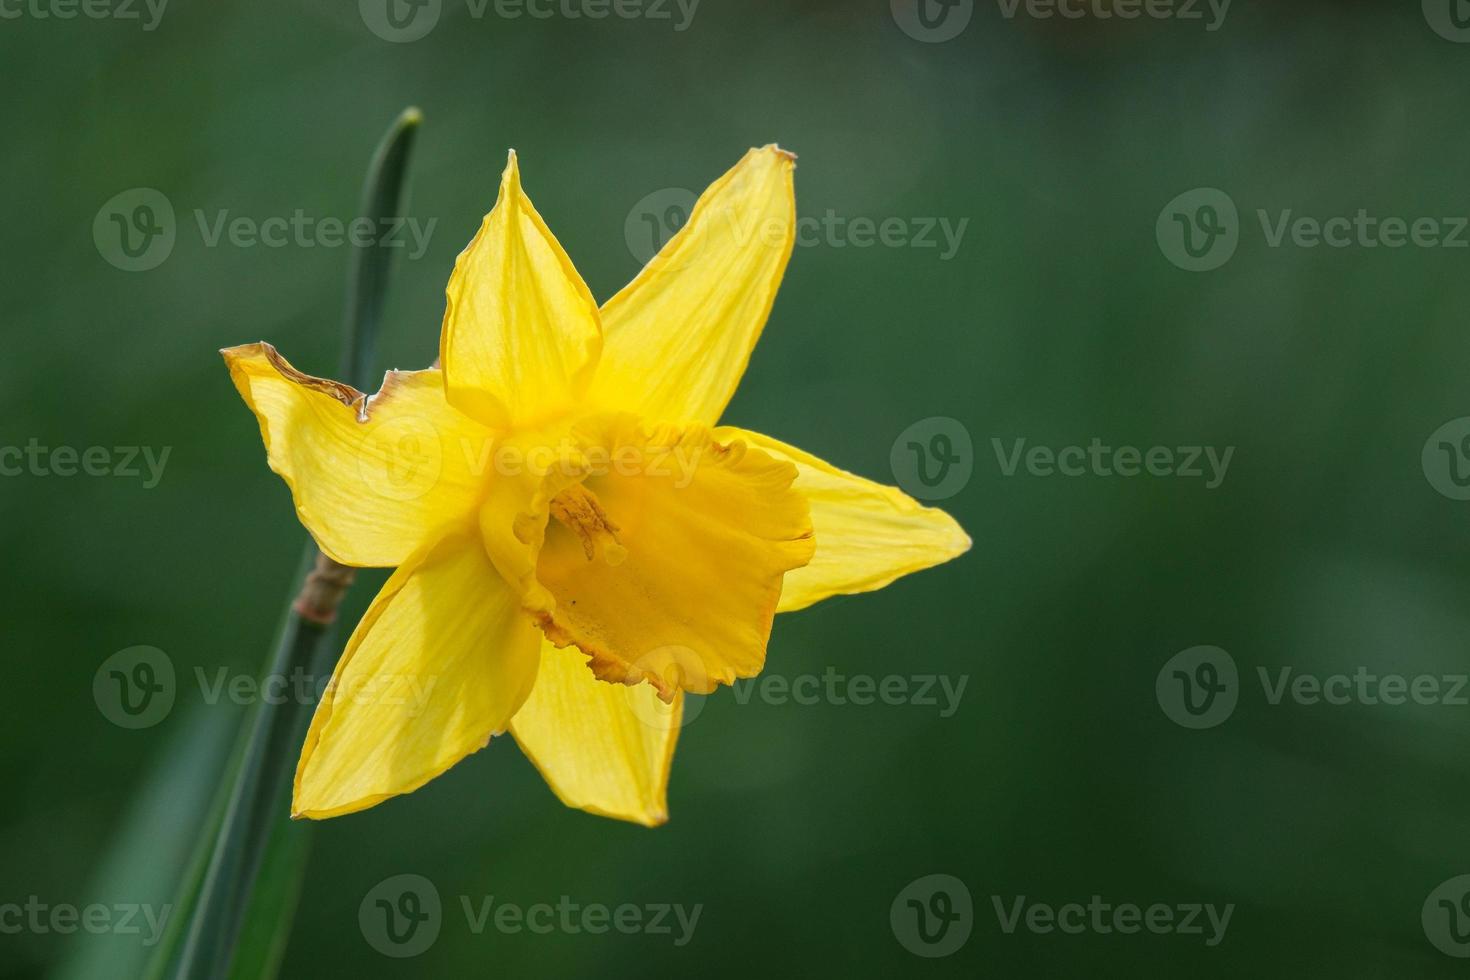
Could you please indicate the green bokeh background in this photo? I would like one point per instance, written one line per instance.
(1059, 320)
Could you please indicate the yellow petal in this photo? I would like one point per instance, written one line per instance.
(867, 534)
(678, 337)
(532, 467)
(666, 565)
(604, 748)
(521, 334)
(442, 660)
(375, 478)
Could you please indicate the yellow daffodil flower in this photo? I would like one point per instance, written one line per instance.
(576, 544)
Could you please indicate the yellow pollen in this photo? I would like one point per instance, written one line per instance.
(579, 510)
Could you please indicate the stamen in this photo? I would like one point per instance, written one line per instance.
(579, 510)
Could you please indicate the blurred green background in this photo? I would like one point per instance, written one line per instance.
(1059, 319)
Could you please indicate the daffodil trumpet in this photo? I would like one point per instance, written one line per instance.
(577, 542)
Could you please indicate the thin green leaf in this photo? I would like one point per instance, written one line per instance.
(158, 844)
(237, 901)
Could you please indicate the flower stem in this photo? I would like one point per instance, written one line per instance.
(254, 824)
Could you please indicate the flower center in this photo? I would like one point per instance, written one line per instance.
(579, 511)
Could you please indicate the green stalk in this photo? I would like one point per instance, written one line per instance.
(254, 832)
